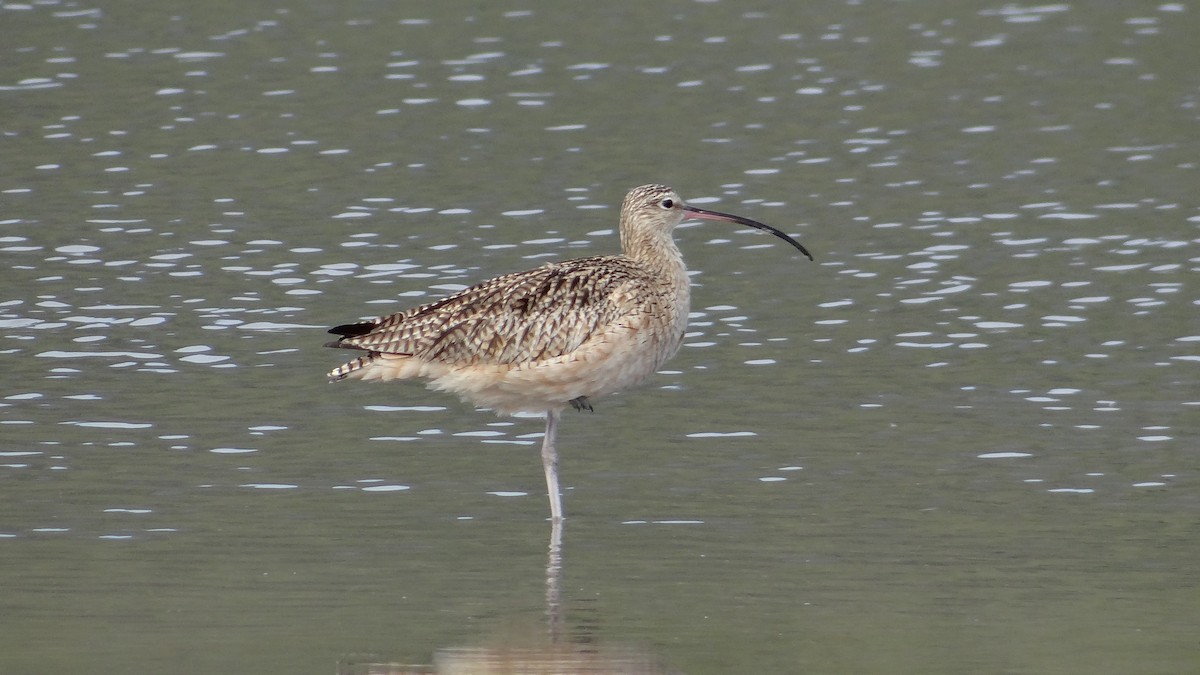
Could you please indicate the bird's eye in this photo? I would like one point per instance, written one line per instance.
(667, 203)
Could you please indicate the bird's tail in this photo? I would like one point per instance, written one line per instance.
(349, 368)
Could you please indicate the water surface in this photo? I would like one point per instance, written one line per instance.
(963, 441)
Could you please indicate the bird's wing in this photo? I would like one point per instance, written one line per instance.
(527, 316)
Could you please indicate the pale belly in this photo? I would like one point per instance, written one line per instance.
(615, 361)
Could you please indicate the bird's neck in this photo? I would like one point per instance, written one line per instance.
(657, 252)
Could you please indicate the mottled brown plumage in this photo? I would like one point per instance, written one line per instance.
(558, 335)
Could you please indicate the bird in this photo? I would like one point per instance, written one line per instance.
(563, 334)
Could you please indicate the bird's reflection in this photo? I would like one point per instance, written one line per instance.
(528, 654)
(554, 571)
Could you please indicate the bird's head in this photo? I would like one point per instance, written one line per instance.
(658, 209)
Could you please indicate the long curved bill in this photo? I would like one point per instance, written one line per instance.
(717, 215)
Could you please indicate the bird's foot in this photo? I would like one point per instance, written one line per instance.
(581, 403)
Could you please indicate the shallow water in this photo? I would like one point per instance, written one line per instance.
(964, 440)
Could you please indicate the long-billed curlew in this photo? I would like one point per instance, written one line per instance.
(562, 334)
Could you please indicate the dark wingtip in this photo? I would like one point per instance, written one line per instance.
(349, 330)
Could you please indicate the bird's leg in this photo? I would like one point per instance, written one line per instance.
(550, 465)
(581, 403)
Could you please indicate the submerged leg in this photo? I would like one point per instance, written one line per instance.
(550, 465)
